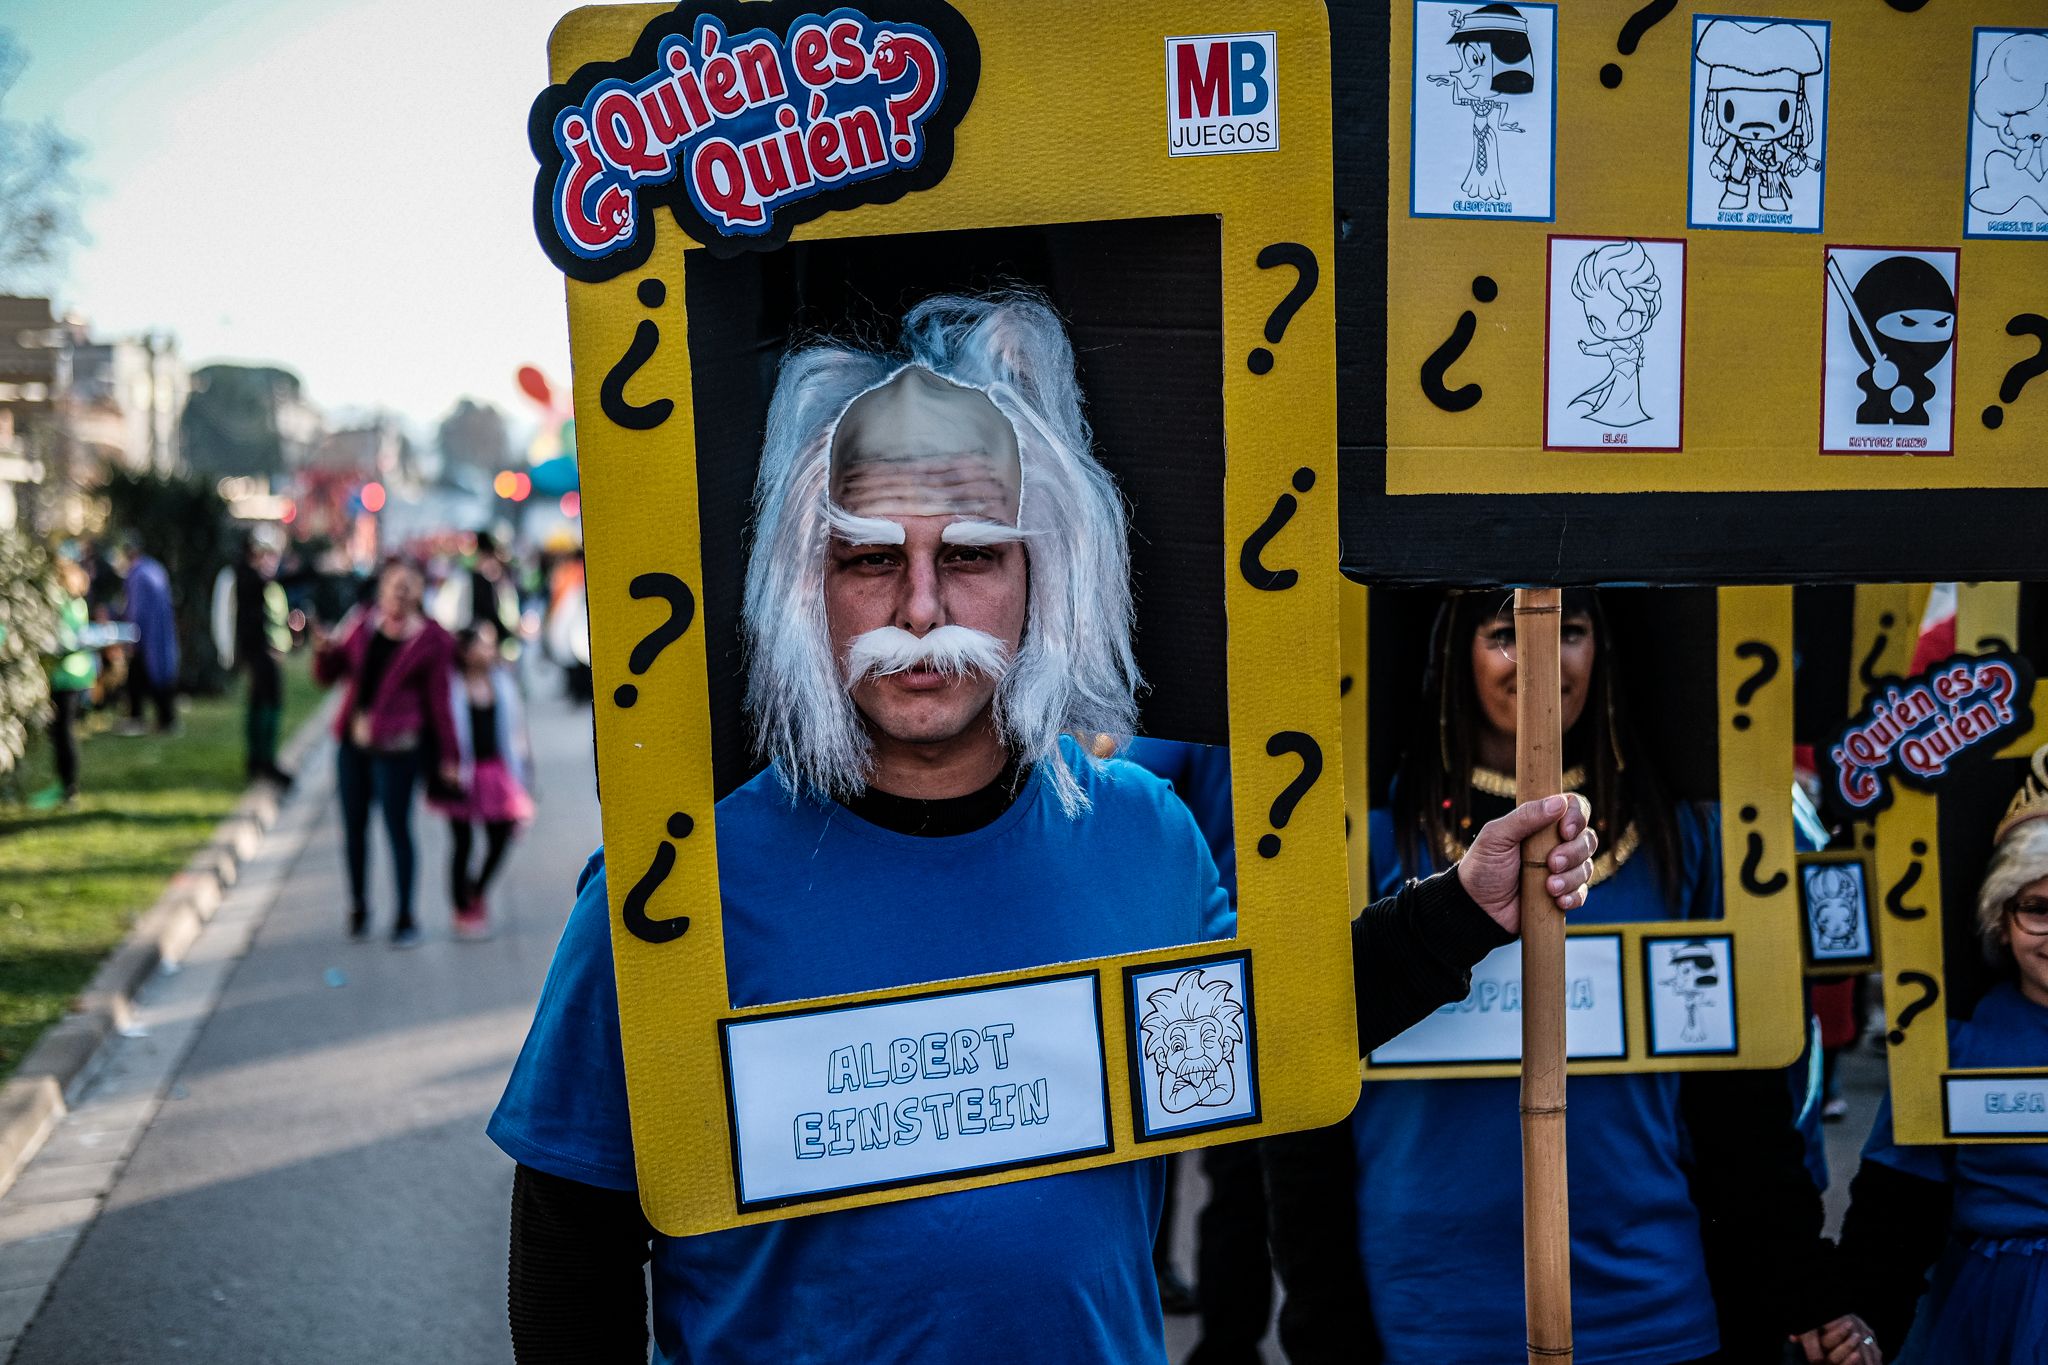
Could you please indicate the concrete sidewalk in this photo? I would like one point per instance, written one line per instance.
(314, 1183)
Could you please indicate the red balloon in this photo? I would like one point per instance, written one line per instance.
(534, 385)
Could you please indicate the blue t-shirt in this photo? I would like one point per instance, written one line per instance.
(818, 901)
(1200, 774)
(2001, 1189)
(1440, 1184)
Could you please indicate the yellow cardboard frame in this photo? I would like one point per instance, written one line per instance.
(1760, 897)
(1908, 858)
(1098, 151)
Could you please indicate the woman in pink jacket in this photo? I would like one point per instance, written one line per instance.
(394, 721)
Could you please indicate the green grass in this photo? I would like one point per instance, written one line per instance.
(73, 879)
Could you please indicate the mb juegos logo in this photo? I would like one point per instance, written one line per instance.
(1222, 94)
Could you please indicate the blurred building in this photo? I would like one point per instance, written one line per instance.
(73, 406)
(249, 421)
(124, 400)
(76, 406)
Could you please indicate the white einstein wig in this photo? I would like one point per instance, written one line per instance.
(1074, 670)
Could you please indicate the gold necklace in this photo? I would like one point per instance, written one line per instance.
(1605, 864)
(1500, 784)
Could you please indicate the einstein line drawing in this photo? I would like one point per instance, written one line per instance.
(1194, 1040)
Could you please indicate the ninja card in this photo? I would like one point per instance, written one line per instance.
(1888, 380)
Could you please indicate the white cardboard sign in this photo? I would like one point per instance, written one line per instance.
(1996, 1106)
(1486, 1026)
(833, 1100)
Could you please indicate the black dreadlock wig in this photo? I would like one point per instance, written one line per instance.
(1433, 799)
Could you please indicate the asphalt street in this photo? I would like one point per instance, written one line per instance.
(316, 1184)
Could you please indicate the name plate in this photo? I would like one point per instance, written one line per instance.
(1486, 1026)
(1995, 1105)
(829, 1101)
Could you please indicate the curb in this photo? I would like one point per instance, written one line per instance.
(35, 1098)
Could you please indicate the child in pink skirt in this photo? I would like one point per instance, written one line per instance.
(491, 748)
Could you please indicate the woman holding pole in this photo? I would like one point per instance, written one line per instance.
(1687, 1192)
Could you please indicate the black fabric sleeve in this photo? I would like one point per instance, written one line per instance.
(1410, 953)
(1896, 1227)
(1772, 1270)
(575, 1288)
(1312, 1222)
(1414, 952)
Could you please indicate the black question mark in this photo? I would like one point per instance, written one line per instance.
(682, 609)
(1446, 355)
(1753, 858)
(1632, 33)
(1907, 6)
(638, 923)
(1766, 669)
(1895, 899)
(1866, 672)
(1260, 361)
(1344, 690)
(1930, 991)
(611, 395)
(1290, 742)
(1256, 573)
(2025, 325)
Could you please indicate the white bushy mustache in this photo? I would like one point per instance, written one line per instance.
(955, 651)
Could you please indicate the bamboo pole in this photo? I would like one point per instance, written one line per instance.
(1539, 772)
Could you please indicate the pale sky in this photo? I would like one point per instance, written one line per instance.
(341, 187)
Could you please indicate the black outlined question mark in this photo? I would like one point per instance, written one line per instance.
(1766, 669)
(1248, 562)
(638, 923)
(1290, 742)
(1632, 33)
(1866, 671)
(2025, 325)
(1753, 860)
(1307, 273)
(1895, 899)
(1446, 355)
(611, 395)
(1930, 991)
(682, 609)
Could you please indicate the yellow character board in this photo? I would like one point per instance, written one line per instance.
(1708, 263)
(1719, 991)
(711, 166)
(1928, 923)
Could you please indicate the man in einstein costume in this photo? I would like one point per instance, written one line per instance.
(937, 601)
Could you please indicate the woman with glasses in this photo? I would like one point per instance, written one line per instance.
(1981, 1211)
(1695, 1228)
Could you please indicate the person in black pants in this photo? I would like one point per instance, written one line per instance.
(153, 662)
(73, 671)
(495, 768)
(262, 639)
(394, 722)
